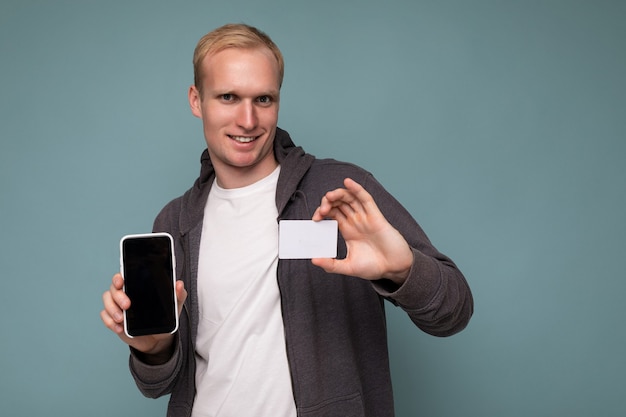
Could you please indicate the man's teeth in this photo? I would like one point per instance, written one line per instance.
(243, 139)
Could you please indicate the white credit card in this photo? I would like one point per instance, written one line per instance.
(306, 239)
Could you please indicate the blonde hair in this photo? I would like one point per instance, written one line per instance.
(233, 35)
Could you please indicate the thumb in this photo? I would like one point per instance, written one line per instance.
(181, 295)
(327, 264)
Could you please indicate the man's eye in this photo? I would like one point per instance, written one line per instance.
(227, 97)
(264, 99)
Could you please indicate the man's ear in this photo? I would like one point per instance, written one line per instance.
(195, 101)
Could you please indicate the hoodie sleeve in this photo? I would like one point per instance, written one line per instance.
(156, 380)
(435, 295)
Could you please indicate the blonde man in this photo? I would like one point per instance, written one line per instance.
(267, 337)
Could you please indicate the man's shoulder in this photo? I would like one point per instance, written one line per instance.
(331, 166)
(325, 171)
(168, 215)
(324, 175)
(183, 211)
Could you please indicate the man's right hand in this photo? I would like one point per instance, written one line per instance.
(156, 348)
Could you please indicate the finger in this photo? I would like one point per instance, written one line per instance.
(337, 210)
(117, 292)
(111, 316)
(106, 319)
(365, 199)
(110, 323)
(118, 295)
(111, 308)
(322, 210)
(343, 200)
(340, 195)
(118, 281)
(341, 214)
(317, 215)
(355, 197)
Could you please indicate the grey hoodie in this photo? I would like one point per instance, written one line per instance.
(335, 327)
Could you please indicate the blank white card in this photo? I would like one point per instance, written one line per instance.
(306, 239)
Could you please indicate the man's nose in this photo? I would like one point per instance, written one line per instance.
(246, 116)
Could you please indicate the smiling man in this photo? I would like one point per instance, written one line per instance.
(238, 102)
(267, 337)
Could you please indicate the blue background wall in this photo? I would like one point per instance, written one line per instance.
(500, 125)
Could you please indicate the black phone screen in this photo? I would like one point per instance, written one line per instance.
(148, 270)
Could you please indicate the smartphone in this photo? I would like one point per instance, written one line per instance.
(148, 266)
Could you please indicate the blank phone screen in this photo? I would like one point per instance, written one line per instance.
(149, 283)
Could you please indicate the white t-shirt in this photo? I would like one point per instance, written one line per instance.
(241, 360)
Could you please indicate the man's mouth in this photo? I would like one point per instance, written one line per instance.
(243, 139)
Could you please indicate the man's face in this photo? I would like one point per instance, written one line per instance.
(239, 112)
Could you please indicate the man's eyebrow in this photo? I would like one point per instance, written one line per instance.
(233, 92)
(271, 93)
(223, 91)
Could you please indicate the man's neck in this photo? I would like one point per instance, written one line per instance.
(236, 177)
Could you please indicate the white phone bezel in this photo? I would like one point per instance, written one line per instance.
(148, 235)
